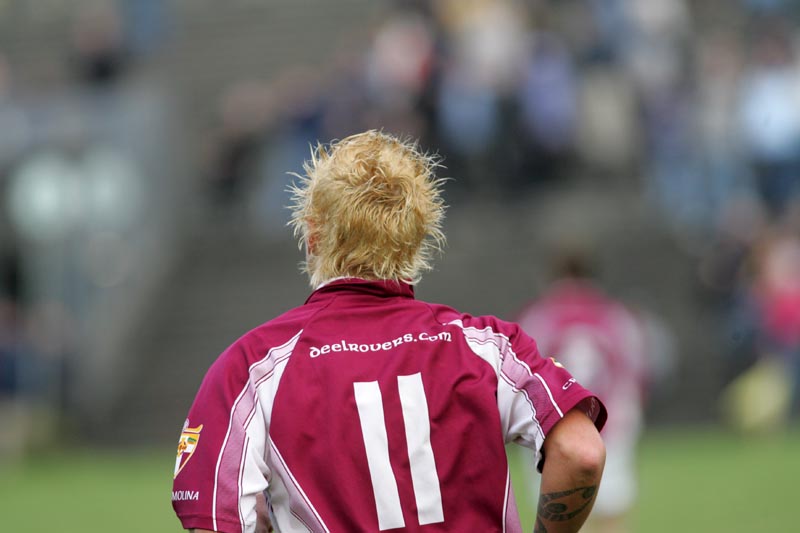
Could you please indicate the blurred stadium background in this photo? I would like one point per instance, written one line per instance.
(144, 152)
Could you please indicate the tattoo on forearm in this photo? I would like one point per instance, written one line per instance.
(538, 527)
(554, 511)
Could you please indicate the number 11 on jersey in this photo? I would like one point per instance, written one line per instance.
(420, 454)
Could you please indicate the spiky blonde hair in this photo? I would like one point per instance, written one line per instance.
(368, 206)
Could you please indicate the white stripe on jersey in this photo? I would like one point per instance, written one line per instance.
(494, 348)
(222, 452)
(245, 403)
(373, 430)
(505, 498)
(549, 394)
(253, 471)
(300, 497)
(420, 453)
(241, 475)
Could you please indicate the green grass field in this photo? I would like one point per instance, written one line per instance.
(691, 481)
(709, 481)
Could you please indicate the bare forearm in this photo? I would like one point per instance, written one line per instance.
(573, 467)
(564, 511)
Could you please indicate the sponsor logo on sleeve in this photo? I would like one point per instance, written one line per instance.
(187, 444)
(567, 384)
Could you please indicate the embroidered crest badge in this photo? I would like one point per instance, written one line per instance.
(187, 444)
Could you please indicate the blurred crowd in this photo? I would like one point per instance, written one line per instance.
(692, 102)
(695, 99)
(695, 104)
(80, 163)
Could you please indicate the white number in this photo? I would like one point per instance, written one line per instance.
(420, 453)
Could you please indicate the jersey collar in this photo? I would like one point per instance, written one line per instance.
(379, 288)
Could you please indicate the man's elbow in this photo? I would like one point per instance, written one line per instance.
(577, 445)
(588, 457)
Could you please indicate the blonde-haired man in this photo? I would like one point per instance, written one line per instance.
(366, 409)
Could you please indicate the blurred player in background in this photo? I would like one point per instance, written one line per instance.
(368, 410)
(603, 344)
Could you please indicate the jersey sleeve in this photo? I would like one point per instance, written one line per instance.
(220, 467)
(535, 392)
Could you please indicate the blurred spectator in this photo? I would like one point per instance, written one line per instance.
(31, 379)
(770, 114)
(15, 135)
(469, 123)
(344, 99)
(398, 72)
(98, 43)
(9, 324)
(723, 271)
(657, 34)
(72, 188)
(776, 297)
(603, 343)
(398, 65)
(657, 61)
(485, 44)
(723, 172)
(608, 130)
(245, 112)
(75, 207)
(766, 395)
(548, 102)
(13, 415)
(487, 39)
(299, 91)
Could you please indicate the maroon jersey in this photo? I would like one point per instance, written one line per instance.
(368, 410)
(599, 340)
